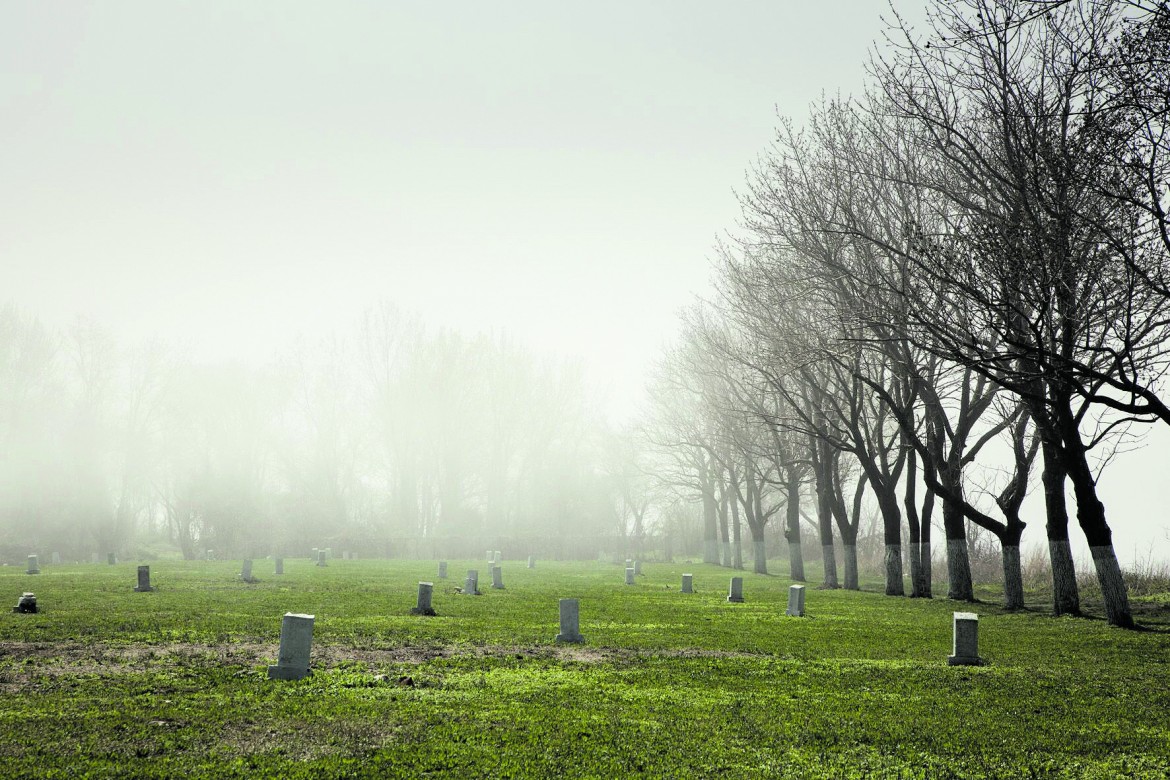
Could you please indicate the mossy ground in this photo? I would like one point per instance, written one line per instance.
(109, 682)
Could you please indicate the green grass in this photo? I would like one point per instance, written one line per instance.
(109, 682)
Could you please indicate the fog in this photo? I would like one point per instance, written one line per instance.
(371, 274)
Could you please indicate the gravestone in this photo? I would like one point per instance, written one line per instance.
(491, 558)
(296, 640)
(143, 580)
(795, 601)
(246, 571)
(629, 575)
(33, 567)
(629, 563)
(321, 556)
(211, 555)
(442, 570)
(423, 604)
(570, 621)
(280, 565)
(498, 557)
(638, 567)
(687, 586)
(471, 587)
(111, 559)
(532, 561)
(315, 554)
(966, 642)
(736, 594)
(497, 577)
(56, 559)
(26, 604)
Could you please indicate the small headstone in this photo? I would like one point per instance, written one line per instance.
(321, 556)
(570, 621)
(315, 555)
(795, 601)
(246, 571)
(532, 561)
(143, 580)
(491, 557)
(423, 604)
(33, 567)
(27, 604)
(280, 565)
(442, 570)
(966, 646)
(638, 567)
(736, 594)
(471, 587)
(629, 575)
(498, 557)
(56, 559)
(629, 563)
(211, 555)
(687, 586)
(111, 559)
(296, 640)
(497, 577)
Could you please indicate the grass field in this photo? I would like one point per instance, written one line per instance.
(109, 682)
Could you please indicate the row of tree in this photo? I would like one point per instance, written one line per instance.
(968, 261)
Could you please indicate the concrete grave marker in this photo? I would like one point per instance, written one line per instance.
(321, 555)
(296, 641)
(26, 604)
(423, 604)
(315, 555)
(629, 575)
(442, 570)
(280, 565)
(498, 557)
(471, 587)
(211, 555)
(629, 563)
(532, 561)
(736, 594)
(56, 559)
(143, 580)
(966, 642)
(638, 567)
(111, 559)
(491, 557)
(246, 571)
(687, 586)
(570, 621)
(33, 567)
(795, 601)
(497, 577)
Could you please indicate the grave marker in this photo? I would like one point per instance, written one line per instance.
(111, 559)
(687, 586)
(532, 561)
(246, 571)
(143, 580)
(321, 556)
(795, 601)
(442, 570)
(966, 640)
(26, 604)
(423, 604)
(570, 621)
(296, 641)
(33, 568)
(629, 575)
(736, 594)
(638, 567)
(471, 587)
(56, 559)
(497, 577)
(280, 565)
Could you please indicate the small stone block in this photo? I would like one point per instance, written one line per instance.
(423, 604)
(629, 575)
(442, 570)
(111, 559)
(280, 565)
(296, 642)
(570, 622)
(966, 640)
(26, 604)
(531, 561)
(736, 593)
(795, 601)
(143, 580)
(497, 578)
(321, 556)
(688, 583)
(246, 571)
(471, 586)
(33, 566)
(638, 567)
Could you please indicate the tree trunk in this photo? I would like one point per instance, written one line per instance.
(724, 533)
(1066, 599)
(825, 526)
(792, 529)
(760, 555)
(959, 586)
(1013, 578)
(710, 525)
(917, 581)
(894, 584)
(736, 533)
(849, 553)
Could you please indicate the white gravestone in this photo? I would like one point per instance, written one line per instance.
(736, 593)
(795, 601)
(56, 559)
(966, 647)
(629, 575)
(532, 561)
(143, 580)
(423, 603)
(638, 567)
(471, 587)
(280, 565)
(498, 557)
(33, 567)
(246, 571)
(296, 640)
(497, 577)
(211, 555)
(442, 570)
(570, 621)
(687, 583)
(321, 556)
(111, 559)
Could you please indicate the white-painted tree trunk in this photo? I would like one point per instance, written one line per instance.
(760, 556)
(1113, 590)
(829, 556)
(1013, 578)
(849, 553)
(1066, 597)
(959, 569)
(894, 584)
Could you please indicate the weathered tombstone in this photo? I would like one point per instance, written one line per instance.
(629, 575)
(211, 555)
(532, 561)
(570, 621)
(315, 555)
(296, 640)
(423, 604)
(328, 553)
(687, 586)
(491, 558)
(33, 567)
(795, 601)
(56, 559)
(736, 594)
(638, 567)
(94, 558)
(321, 556)
(26, 604)
(966, 646)
(471, 587)
(442, 570)
(246, 571)
(629, 563)
(498, 557)
(497, 577)
(111, 559)
(280, 565)
(143, 580)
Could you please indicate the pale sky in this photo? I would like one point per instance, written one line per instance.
(228, 175)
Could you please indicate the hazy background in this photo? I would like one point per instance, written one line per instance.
(227, 176)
